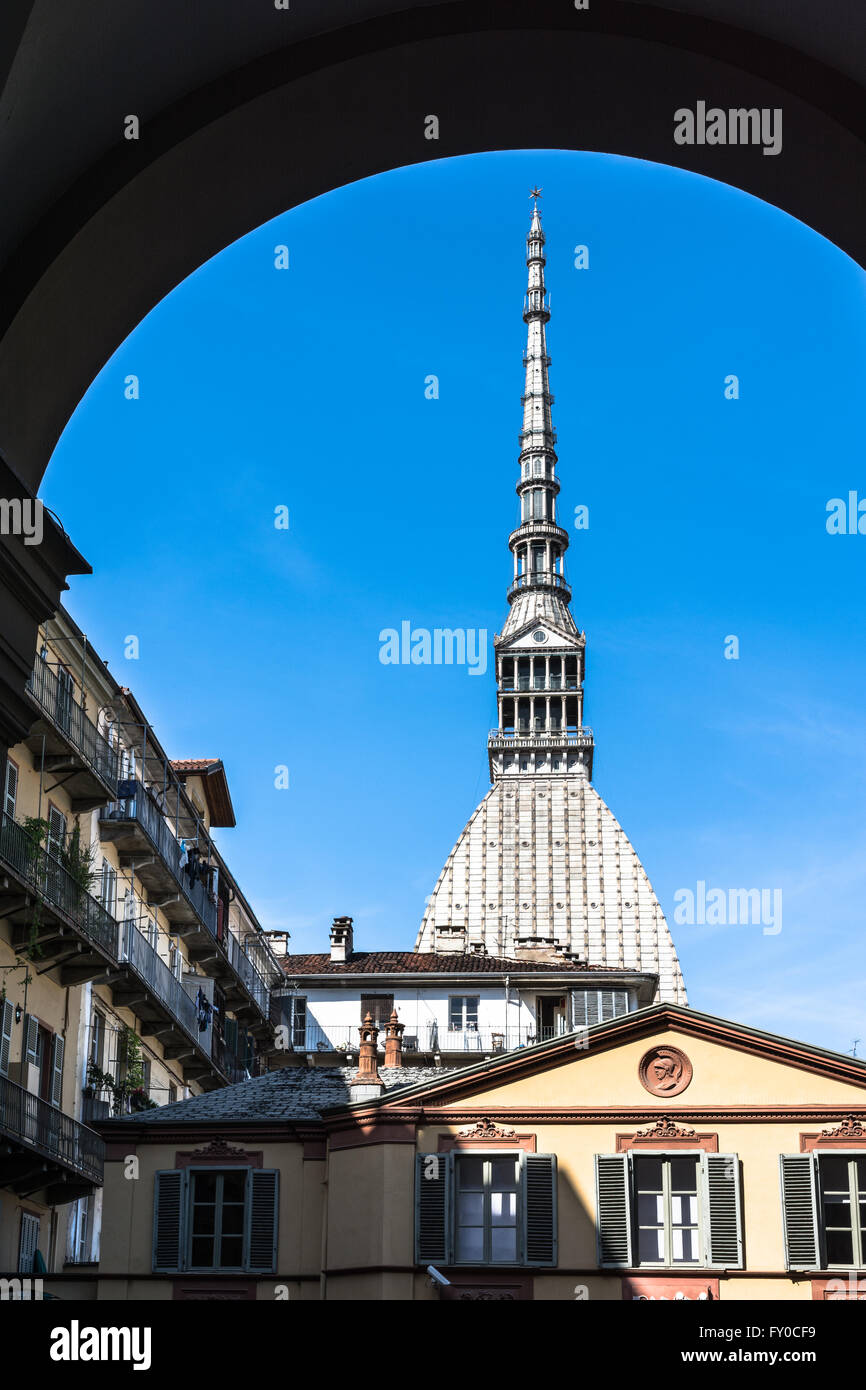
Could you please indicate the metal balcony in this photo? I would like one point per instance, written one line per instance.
(73, 746)
(39, 896)
(44, 1148)
(428, 1039)
(540, 738)
(539, 579)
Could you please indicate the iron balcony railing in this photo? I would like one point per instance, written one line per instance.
(544, 578)
(56, 886)
(231, 1064)
(45, 1128)
(56, 703)
(247, 973)
(137, 952)
(426, 1038)
(142, 809)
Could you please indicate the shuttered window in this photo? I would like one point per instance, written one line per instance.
(215, 1219)
(7, 1015)
(669, 1210)
(824, 1209)
(31, 1040)
(57, 1050)
(486, 1209)
(379, 1006)
(590, 1006)
(28, 1242)
(10, 790)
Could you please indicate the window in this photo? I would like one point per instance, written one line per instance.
(496, 1207)
(380, 1006)
(7, 1017)
(108, 887)
(28, 1241)
(666, 1190)
(669, 1209)
(56, 831)
(81, 1231)
(215, 1219)
(97, 1039)
(486, 1216)
(10, 790)
(463, 1013)
(824, 1209)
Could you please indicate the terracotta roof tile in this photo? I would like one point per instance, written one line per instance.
(429, 962)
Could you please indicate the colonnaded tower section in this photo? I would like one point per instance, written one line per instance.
(543, 867)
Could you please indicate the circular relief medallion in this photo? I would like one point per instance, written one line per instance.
(665, 1071)
(539, 636)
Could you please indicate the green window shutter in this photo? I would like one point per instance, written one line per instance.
(264, 1189)
(539, 1208)
(7, 1014)
(723, 1220)
(170, 1187)
(57, 1052)
(31, 1039)
(613, 1208)
(433, 1208)
(800, 1211)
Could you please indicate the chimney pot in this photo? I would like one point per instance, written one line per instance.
(394, 1041)
(367, 1084)
(341, 940)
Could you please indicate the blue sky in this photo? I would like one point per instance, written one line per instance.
(304, 388)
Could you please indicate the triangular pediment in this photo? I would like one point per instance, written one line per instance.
(551, 638)
(729, 1065)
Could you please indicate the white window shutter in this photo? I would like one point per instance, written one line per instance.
(7, 1014)
(613, 1209)
(539, 1208)
(31, 1040)
(170, 1186)
(800, 1211)
(433, 1182)
(723, 1217)
(57, 1052)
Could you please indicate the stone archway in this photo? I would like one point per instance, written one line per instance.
(325, 109)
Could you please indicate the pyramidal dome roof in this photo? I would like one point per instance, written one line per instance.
(545, 861)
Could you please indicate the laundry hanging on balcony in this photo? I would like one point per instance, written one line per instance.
(203, 1010)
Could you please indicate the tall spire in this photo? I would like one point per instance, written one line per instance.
(540, 654)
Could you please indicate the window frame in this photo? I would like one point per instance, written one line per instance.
(855, 1196)
(462, 1026)
(219, 1174)
(487, 1157)
(667, 1156)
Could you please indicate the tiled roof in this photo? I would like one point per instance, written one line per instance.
(291, 1093)
(431, 963)
(216, 787)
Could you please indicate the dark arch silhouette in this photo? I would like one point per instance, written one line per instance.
(132, 219)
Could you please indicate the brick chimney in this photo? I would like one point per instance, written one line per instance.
(394, 1041)
(367, 1084)
(341, 939)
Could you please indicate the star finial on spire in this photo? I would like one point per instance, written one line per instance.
(536, 194)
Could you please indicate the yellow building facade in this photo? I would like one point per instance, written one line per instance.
(662, 1155)
(126, 980)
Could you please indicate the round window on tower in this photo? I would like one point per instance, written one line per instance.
(539, 636)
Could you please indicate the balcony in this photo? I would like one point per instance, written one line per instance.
(428, 1039)
(539, 579)
(232, 1066)
(550, 738)
(73, 746)
(44, 1148)
(69, 928)
(140, 834)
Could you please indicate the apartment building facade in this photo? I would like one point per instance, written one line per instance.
(665, 1154)
(451, 1005)
(133, 971)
